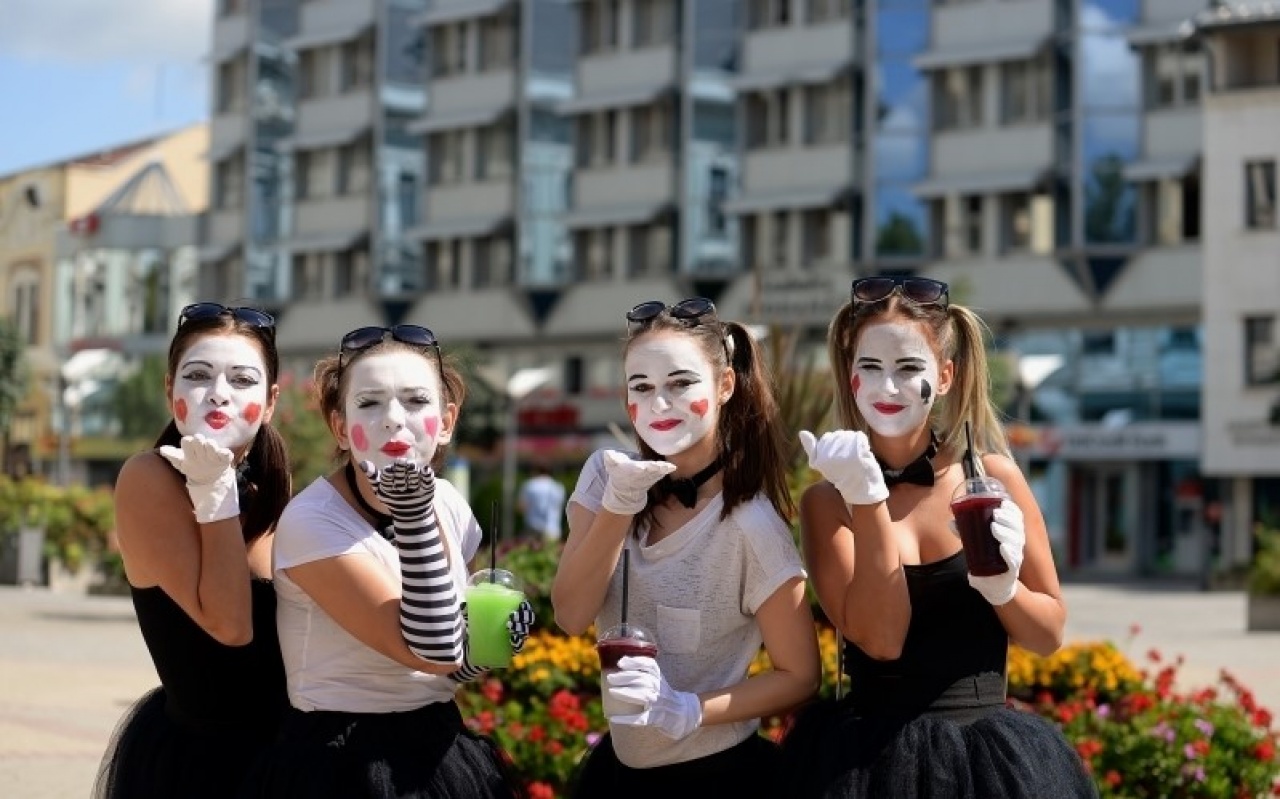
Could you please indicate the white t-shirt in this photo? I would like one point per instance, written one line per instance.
(697, 591)
(327, 667)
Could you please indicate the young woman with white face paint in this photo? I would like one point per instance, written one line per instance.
(194, 520)
(371, 564)
(925, 642)
(713, 569)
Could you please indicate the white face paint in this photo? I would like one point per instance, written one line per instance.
(394, 408)
(895, 377)
(672, 392)
(220, 390)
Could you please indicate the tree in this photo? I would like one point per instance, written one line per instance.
(899, 236)
(139, 402)
(14, 376)
(307, 436)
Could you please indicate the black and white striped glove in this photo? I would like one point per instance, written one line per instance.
(430, 614)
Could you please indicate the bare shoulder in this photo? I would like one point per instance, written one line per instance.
(822, 506)
(1003, 468)
(148, 487)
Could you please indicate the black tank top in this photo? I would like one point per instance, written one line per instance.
(954, 635)
(209, 685)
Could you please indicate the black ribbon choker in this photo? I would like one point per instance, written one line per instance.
(685, 489)
(918, 472)
(381, 521)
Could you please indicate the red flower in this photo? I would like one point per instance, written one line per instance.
(492, 690)
(555, 748)
(1262, 718)
(1200, 746)
(1265, 750)
(1113, 778)
(1153, 655)
(537, 733)
(1088, 748)
(540, 790)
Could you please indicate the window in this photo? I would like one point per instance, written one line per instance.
(228, 7)
(821, 11)
(594, 251)
(971, 223)
(957, 98)
(448, 50)
(654, 22)
(407, 199)
(446, 158)
(600, 26)
(313, 73)
(597, 134)
(498, 43)
(817, 237)
(717, 193)
(302, 174)
(1261, 353)
(1175, 211)
(231, 86)
(1173, 74)
(1026, 93)
(25, 304)
(443, 265)
(495, 151)
(778, 245)
(828, 113)
(649, 249)
(1260, 194)
(1098, 343)
(650, 132)
(307, 282)
(767, 114)
(357, 64)
(491, 265)
(1026, 223)
(228, 185)
(768, 14)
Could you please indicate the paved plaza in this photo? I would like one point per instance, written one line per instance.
(70, 665)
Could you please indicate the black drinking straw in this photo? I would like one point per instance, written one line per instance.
(493, 545)
(969, 462)
(626, 567)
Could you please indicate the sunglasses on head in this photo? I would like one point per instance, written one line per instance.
(691, 312)
(210, 310)
(919, 290)
(364, 338)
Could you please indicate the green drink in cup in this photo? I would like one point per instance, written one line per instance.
(492, 596)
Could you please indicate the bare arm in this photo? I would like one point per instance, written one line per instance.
(789, 637)
(1036, 617)
(586, 565)
(204, 568)
(359, 594)
(868, 604)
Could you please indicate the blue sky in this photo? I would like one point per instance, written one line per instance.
(78, 76)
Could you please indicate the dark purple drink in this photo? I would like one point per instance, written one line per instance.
(973, 506)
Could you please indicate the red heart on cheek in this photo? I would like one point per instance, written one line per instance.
(359, 439)
(432, 427)
(699, 407)
(180, 410)
(855, 383)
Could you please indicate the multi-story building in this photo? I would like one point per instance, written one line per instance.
(568, 160)
(1241, 304)
(97, 253)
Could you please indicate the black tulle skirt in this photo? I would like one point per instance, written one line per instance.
(154, 755)
(957, 749)
(418, 754)
(745, 771)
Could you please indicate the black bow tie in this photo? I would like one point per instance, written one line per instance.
(918, 472)
(685, 489)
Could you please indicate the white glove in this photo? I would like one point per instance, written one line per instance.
(1009, 529)
(211, 479)
(844, 457)
(627, 488)
(639, 681)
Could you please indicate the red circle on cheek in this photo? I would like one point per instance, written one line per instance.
(358, 438)
(180, 410)
(700, 406)
(855, 383)
(631, 411)
(432, 426)
(253, 413)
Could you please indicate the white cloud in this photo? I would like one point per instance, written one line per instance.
(89, 31)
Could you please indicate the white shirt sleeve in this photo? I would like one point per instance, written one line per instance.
(771, 554)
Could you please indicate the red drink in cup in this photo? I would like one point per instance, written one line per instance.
(613, 644)
(973, 505)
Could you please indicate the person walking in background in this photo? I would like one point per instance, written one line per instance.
(371, 565)
(541, 502)
(714, 572)
(926, 631)
(194, 523)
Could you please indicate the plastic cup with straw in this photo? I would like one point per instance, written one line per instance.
(973, 504)
(493, 594)
(622, 640)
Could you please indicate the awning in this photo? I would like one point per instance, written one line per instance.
(473, 118)
(622, 98)
(613, 216)
(989, 54)
(320, 38)
(443, 12)
(224, 54)
(810, 197)
(1155, 33)
(1161, 168)
(326, 242)
(466, 228)
(216, 253)
(981, 183)
(319, 140)
(791, 76)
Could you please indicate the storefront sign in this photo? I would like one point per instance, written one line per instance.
(1141, 441)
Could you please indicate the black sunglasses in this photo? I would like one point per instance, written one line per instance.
(691, 311)
(209, 310)
(919, 290)
(362, 338)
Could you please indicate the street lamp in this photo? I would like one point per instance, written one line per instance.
(520, 384)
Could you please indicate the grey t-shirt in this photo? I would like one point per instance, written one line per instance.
(698, 591)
